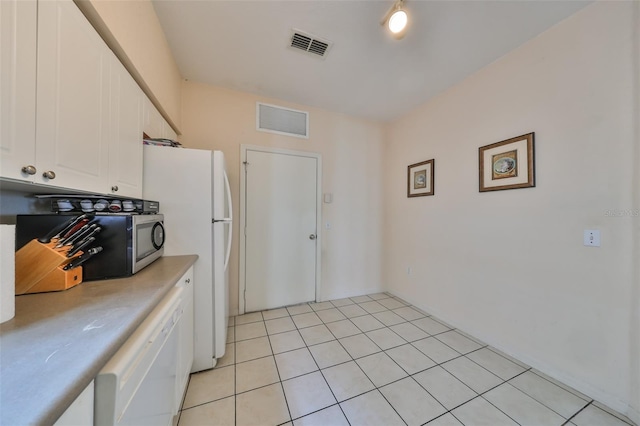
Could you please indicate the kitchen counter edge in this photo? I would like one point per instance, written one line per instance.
(77, 331)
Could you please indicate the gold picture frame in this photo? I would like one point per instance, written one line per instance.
(420, 179)
(508, 164)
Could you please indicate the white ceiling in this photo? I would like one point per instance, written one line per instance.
(243, 45)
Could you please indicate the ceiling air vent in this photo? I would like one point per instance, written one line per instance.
(309, 43)
(284, 121)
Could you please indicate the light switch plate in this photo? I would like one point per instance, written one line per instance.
(592, 237)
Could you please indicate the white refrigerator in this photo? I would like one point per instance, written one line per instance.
(194, 194)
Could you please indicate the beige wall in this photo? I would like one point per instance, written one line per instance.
(351, 149)
(510, 266)
(132, 30)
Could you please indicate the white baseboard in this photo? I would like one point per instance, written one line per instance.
(343, 294)
(634, 415)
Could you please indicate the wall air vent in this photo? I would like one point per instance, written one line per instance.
(309, 43)
(284, 121)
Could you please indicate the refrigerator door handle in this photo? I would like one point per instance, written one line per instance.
(226, 183)
(230, 219)
(226, 260)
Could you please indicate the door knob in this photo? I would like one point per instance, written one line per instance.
(312, 236)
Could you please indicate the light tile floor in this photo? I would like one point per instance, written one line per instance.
(373, 360)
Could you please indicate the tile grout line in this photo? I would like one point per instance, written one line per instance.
(382, 351)
(235, 363)
(578, 412)
(436, 364)
(284, 394)
(355, 359)
(308, 347)
(376, 387)
(322, 374)
(483, 393)
(530, 369)
(495, 406)
(408, 375)
(297, 328)
(235, 370)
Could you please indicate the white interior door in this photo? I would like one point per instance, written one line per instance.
(281, 205)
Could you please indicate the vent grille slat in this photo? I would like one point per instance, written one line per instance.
(309, 43)
(301, 42)
(318, 47)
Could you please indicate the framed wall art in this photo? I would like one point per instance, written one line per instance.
(508, 164)
(420, 179)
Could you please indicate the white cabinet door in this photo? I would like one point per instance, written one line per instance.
(125, 146)
(72, 100)
(155, 126)
(153, 121)
(167, 131)
(185, 348)
(80, 412)
(18, 20)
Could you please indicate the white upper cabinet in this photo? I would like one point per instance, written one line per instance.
(18, 20)
(73, 109)
(125, 150)
(71, 115)
(153, 121)
(168, 132)
(155, 126)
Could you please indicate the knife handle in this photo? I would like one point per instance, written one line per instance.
(81, 234)
(72, 231)
(54, 232)
(84, 243)
(80, 260)
(61, 230)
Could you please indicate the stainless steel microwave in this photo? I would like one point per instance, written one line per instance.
(147, 240)
(129, 242)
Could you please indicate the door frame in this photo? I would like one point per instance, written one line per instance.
(242, 224)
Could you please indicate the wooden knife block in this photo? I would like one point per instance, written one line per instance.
(39, 269)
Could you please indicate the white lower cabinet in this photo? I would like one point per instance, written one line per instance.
(185, 348)
(144, 382)
(81, 411)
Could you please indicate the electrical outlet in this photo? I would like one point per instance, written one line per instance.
(592, 238)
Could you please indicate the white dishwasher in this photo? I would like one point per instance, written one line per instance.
(138, 385)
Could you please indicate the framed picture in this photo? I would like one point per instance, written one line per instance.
(420, 179)
(508, 164)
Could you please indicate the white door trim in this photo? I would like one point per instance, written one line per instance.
(242, 224)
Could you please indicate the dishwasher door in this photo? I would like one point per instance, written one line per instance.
(138, 385)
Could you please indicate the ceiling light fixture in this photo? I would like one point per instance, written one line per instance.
(396, 19)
